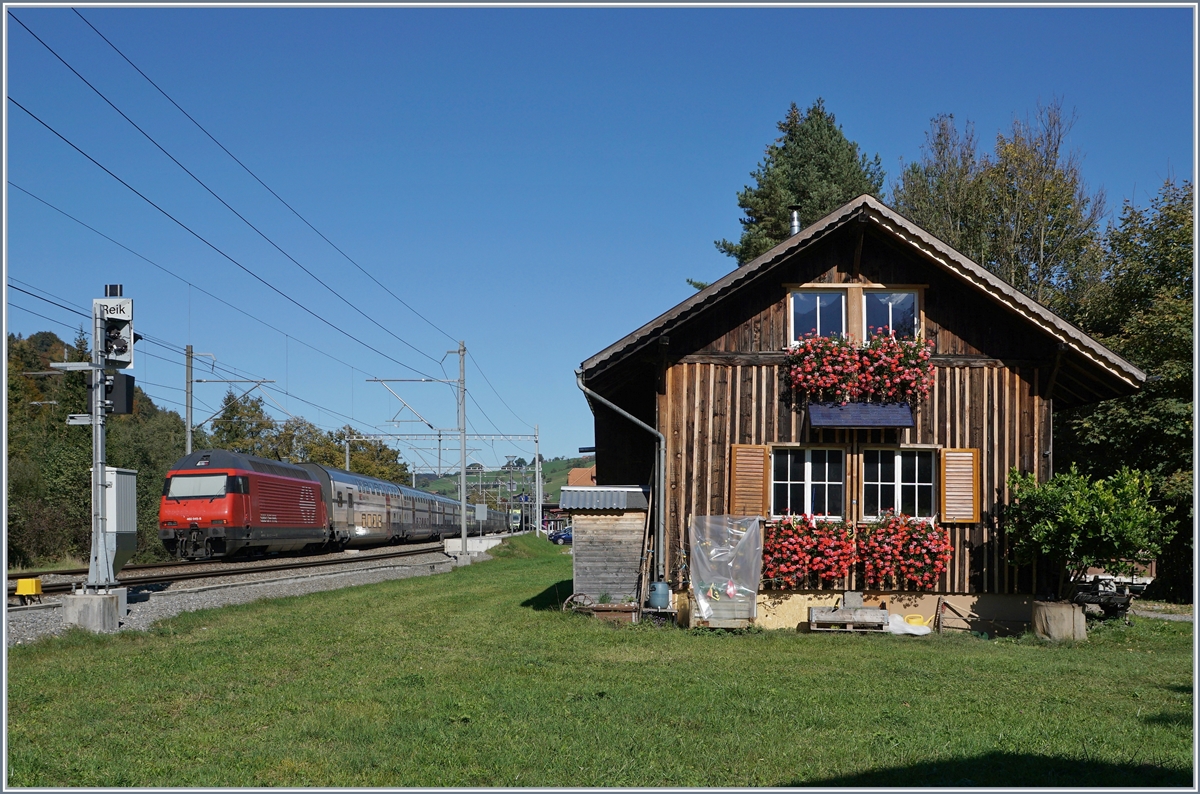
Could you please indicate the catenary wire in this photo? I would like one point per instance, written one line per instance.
(181, 278)
(292, 209)
(214, 194)
(264, 184)
(202, 239)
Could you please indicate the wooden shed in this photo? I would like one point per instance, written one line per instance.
(708, 375)
(609, 540)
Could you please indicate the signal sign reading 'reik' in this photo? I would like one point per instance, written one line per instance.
(117, 316)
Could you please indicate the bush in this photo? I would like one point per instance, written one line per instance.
(1078, 523)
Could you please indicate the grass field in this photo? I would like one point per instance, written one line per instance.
(474, 678)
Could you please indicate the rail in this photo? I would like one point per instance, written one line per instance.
(239, 570)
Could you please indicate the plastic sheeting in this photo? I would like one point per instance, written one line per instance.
(725, 565)
(897, 625)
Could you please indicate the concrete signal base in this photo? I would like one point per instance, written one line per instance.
(95, 612)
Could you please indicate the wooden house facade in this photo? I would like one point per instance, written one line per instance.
(708, 374)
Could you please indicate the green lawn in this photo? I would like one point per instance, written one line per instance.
(474, 678)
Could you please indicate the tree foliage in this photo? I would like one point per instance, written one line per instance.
(244, 426)
(49, 484)
(1023, 212)
(1142, 308)
(1079, 523)
(811, 165)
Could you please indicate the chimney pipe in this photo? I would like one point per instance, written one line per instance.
(795, 208)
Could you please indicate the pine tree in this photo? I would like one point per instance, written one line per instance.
(811, 165)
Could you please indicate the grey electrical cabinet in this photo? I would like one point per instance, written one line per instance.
(120, 512)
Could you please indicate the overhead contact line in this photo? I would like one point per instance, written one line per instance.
(202, 239)
(292, 209)
(264, 184)
(214, 194)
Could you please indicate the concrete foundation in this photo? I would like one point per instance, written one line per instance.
(96, 612)
(474, 545)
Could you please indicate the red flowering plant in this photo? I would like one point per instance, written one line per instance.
(886, 369)
(823, 368)
(799, 550)
(894, 370)
(901, 552)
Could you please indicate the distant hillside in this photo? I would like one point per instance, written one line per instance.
(554, 471)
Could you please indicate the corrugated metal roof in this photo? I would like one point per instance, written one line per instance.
(607, 497)
(860, 415)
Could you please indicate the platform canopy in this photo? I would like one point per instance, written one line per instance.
(860, 415)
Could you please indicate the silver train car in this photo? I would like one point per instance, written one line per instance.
(364, 511)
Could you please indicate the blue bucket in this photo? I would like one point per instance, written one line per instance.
(660, 595)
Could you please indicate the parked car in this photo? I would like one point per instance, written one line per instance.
(561, 537)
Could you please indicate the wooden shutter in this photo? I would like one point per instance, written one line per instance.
(960, 486)
(750, 484)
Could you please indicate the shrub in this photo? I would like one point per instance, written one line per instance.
(1079, 523)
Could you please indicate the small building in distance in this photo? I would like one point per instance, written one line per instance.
(708, 374)
(581, 477)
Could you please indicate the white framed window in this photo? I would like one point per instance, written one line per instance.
(820, 312)
(811, 481)
(900, 480)
(897, 311)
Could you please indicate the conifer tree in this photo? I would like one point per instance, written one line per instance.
(811, 165)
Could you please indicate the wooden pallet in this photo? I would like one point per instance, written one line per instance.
(860, 619)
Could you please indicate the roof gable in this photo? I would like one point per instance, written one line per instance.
(1121, 376)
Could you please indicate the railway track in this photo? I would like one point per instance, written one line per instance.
(210, 572)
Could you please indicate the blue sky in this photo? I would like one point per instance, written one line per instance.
(536, 182)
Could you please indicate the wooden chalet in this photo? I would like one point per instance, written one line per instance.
(707, 374)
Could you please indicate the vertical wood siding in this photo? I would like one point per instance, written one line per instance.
(996, 409)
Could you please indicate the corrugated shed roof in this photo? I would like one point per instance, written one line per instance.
(855, 415)
(605, 497)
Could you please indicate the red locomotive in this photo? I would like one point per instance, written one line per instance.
(216, 503)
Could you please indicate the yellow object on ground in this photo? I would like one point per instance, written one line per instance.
(29, 587)
(917, 620)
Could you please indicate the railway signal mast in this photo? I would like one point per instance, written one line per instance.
(112, 348)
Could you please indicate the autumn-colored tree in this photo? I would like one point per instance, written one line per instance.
(1023, 212)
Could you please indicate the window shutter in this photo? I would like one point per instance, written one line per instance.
(960, 486)
(749, 489)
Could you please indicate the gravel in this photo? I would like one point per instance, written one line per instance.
(151, 603)
(1147, 613)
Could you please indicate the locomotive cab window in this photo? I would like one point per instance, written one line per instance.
(196, 486)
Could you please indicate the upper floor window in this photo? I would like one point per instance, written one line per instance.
(808, 481)
(896, 311)
(820, 312)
